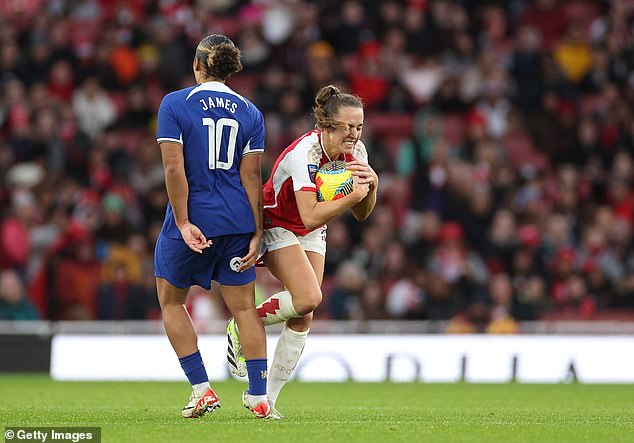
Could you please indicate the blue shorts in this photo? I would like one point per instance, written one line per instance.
(182, 267)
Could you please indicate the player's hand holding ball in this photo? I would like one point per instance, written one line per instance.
(364, 172)
(335, 180)
(359, 189)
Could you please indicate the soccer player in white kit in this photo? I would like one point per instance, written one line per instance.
(295, 227)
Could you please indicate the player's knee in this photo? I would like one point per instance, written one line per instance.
(169, 302)
(165, 305)
(312, 300)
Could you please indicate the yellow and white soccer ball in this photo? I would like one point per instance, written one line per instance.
(333, 181)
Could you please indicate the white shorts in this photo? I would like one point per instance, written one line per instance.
(278, 238)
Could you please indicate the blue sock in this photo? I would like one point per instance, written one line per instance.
(257, 376)
(194, 368)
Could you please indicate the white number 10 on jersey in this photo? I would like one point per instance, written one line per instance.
(216, 145)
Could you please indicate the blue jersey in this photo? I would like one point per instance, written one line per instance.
(216, 128)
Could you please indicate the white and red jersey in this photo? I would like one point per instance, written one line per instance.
(294, 171)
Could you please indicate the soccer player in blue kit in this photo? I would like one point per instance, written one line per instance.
(211, 141)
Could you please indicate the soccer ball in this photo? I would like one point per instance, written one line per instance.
(333, 181)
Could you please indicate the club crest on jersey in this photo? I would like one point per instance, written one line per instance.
(312, 172)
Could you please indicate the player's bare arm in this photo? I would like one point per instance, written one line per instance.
(365, 175)
(251, 176)
(315, 213)
(178, 191)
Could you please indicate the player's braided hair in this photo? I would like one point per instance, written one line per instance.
(328, 101)
(219, 56)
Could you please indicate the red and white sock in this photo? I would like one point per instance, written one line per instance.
(277, 309)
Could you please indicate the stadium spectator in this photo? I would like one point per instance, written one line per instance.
(93, 107)
(344, 302)
(406, 298)
(501, 296)
(14, 301)
(372, 301)
(75, 278)
(369, 80)
(119, 298)
(573, 54)
(15, 238)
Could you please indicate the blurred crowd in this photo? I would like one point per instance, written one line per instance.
(502, 133)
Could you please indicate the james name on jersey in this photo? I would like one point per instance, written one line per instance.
(218, 102)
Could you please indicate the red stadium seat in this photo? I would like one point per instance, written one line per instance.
(392, 129)
(584, 11)
(387, 124)
(245, 84)
(119, 100)
(228, 25)
(520, 150)
(349, 62)
(83, 35)
(453, 127)
(590, 103)
(131, 139)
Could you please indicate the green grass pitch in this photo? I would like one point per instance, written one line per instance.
(330, 412)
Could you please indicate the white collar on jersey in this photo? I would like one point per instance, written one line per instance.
(215, 86)
(321, 143)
